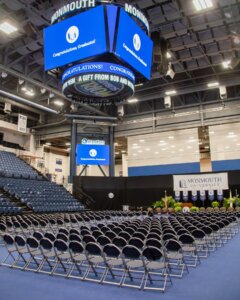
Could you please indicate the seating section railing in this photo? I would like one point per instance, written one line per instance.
(120, 248)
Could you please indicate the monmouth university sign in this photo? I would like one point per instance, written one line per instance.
(201, 182)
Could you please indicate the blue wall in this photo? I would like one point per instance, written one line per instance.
(225, 165)
(165, 169)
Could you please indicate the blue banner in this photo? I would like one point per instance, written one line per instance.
(202, 195)
(177, 196)
(76, 38)
(220, 195)
(185, 196)
(98, 67)
(211, 195)
(133, 45)
(92, 154)
(194, 196)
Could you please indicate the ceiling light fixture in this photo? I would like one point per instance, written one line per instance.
(7, 28)
(168, 54)
(68, 144)
(58, 102)
(202, 4)
(213, 84)
(133, 100)
(169, 93)
(226, 64)
(48, 144)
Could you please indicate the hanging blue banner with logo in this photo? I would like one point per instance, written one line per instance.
(185, 196)
(202, 196)
(220, 195)
(194, 196)
(211, 195)
(177, 195)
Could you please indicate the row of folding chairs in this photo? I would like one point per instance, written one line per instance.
(143, 269)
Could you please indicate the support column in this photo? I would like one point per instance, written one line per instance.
(73, 151)
(112, 158)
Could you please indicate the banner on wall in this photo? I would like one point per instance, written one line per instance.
(220, 195)
(185, 195)
(202, 195)
(22, 123)
(177, 196)
(200, 182)
(211, 195)
(194, 195)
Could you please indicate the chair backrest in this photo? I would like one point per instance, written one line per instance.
(75, 237)
(50, 236)
(103, 240)
(111, 250)
(93, 248)
(136, 242)
(61, 245)
(8, 239)
(76, 247)
(38, 235)
(20, 240)
(63, 237)
(88, 239)
(32, 242)
(186, 238)
(131, 252)
(154, 242)
(172, 245)
(152, 253)
(46, 244)
(119, 241)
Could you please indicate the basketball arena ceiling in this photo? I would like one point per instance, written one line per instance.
(198, 45)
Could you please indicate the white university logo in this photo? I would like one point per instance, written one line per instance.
(72, 34)
(136, 42)
(93, 153)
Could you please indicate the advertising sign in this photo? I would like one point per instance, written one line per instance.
(92, 154)
(22, 123)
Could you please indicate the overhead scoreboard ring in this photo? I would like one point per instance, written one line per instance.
(99, 81)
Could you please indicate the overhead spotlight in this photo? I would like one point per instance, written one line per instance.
(8, 28)
(48, 144)
(4, 74)
(168, 54)
(28, 90)
(167, 102)
(20, 81)
(213, 84)
(223, 92)
(133, 100)
(226, 64)
(202, 4)
(43, 90)
(58, 103)
(51, 95)
(170, 92)
(170, 73)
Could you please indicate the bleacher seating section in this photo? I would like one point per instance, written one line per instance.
(10, 166)
(41, 196)
(31, 189)
(7, 207)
